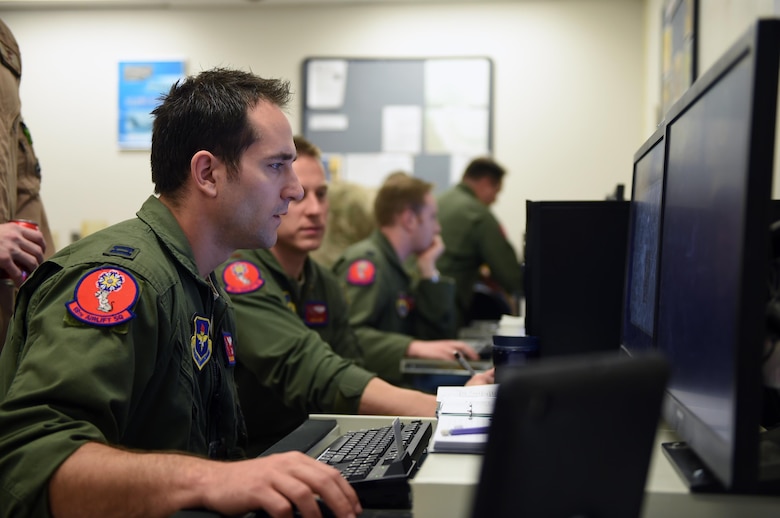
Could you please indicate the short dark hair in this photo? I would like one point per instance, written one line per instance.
(484, 167)
(399, 192)
(304, 147)
(209, 112)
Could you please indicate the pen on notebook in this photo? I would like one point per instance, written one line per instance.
(467, 431)
(464, 363)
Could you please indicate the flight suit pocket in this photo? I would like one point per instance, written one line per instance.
(187, 397)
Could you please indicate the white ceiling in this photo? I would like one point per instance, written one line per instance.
(80, 4)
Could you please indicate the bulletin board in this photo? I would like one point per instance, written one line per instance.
(427, 116)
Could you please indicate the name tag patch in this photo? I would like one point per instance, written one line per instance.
(230, 352)
(316, 314)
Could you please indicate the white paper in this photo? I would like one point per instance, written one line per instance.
(402, 129)
(458, 82)
(371, 169)
(472, 391)
(463, 408)
(456, 129)
(458, 164)
(467, 406)
(326, 83)
(328, 122)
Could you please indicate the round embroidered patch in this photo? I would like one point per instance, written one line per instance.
(361, 273)
(242, 277)
(104, 296)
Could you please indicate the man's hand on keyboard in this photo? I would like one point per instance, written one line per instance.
(278, 483)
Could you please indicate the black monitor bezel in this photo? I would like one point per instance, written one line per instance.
(631, 346)
(736, 465)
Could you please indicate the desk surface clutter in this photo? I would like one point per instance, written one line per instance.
(464, 417)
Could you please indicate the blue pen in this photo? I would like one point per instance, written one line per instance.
(468, 431)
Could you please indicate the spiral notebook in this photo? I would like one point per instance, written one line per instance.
(464, 416)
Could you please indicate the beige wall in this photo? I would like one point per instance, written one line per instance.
(576, 82)
(721, 22)
(568, 85)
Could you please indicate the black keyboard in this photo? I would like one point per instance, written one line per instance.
(370, 461)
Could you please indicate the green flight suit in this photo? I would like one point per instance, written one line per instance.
(387, 308)
(472, 237)
(110, 343)
(298, 354)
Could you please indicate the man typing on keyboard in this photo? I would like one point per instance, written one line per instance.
(116, 381)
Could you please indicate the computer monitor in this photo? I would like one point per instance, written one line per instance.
(575, 256)
(713, 270)
(572, 437)
(644, 235)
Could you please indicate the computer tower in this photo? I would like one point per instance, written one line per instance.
(575, 255)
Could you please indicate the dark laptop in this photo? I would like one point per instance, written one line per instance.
(572, 437)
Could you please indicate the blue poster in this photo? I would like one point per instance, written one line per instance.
(141, 83)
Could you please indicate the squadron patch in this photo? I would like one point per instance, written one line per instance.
(361, 273)
(404, 305)
(230, 352)
(316, 314)
(242, 277)
(201, 340)
(104, 296)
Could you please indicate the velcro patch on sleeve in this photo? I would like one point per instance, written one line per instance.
(361, 272)
(104, 297)
(230, 350)
(242, 277)
(316, 314)
(128, 252)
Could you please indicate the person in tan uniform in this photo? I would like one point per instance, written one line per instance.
(21, 249)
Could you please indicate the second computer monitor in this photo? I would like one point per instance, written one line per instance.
(641, 281)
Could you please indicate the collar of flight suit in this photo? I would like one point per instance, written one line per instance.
(164, 225)
(387, 250)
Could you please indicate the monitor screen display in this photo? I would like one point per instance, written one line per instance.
(643, 240)
(708, 148)
(720, 143)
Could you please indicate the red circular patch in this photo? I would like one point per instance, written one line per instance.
(242, 277)
(104, 296)
(361, 272)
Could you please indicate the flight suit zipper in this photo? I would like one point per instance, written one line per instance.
(217, 446)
